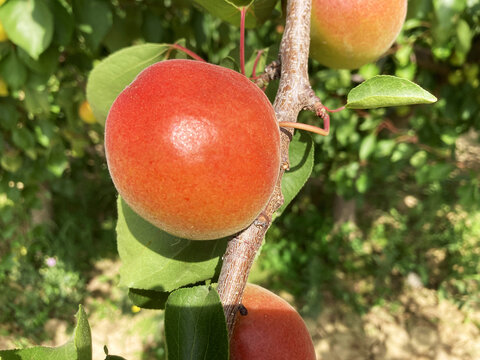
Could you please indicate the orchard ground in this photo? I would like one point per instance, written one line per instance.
(418, 326)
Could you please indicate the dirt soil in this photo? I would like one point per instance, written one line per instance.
(417, 327)
(421, 327)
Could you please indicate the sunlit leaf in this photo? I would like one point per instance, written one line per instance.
(78, 348)
(29, 24)
(113, 74)
(385, 90)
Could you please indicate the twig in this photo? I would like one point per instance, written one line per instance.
(293, 95)
(272, 71)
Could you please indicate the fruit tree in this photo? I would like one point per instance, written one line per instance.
(210, 151)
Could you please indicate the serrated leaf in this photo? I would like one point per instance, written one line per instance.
(78, 348)
(113, 74)
(155, 260)
(258, 12)
(386, 90)
(300, 154)
(195, 326)
(28, 24)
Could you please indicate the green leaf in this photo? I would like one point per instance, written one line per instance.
(386, 90)
(367, 147)
(195, 326)
(46, 64)
(464, 36)
(13, 71)
(300, 154)
(94, 19)
(8, 116)
(113, 74)
(78, 348)
(64, 22)
(148, 299)
(11, 161)
(57, 161)
(28, 24)
(259, 12)
(155, 260)
(82, 336)
(23, 138)
(446, 14)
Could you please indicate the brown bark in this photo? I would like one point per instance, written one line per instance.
(294, 94)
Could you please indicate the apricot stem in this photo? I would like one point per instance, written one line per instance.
(186, 51)
(243, 12)
(302, 126)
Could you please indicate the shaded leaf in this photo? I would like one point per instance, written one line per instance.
(148, 299)
(259, 12)
(94, 19)
(155, 260)
(385, 90)
(300, 154)
(195, 326)
(13, 71)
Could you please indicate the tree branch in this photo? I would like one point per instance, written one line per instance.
(293, 95)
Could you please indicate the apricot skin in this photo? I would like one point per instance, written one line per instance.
(193, 148)
(271, 330)
(350, 34)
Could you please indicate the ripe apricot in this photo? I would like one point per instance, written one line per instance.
(271, 329)
(194, 148)
(349, 34)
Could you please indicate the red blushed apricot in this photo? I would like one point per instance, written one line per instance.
(349, 34)
(271, 330)
(194, 148)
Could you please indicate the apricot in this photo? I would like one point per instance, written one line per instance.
(271, 329)
(3, 33)
(349, 34)
(194, 148)
(3, 88)
(85, 113)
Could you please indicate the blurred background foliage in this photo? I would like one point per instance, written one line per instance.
(394, 195)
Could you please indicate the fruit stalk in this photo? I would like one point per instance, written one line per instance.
(293, 95)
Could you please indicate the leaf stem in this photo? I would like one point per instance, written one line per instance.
(302, 126)
(257, 59)
(243, 12)
(334, 110)
(186, 51)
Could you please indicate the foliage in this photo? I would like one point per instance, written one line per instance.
(412, 173)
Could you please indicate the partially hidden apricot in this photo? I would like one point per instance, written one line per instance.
(194, 148)
(271, 329)
(349, 34)
(85, 113)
